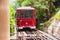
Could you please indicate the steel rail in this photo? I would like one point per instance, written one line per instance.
(50, 37)
(35, 35)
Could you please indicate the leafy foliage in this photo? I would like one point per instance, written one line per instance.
(48, 23)
(18, 2)
(57, 15)
(45, 9)
(12, 20)
(41, 25)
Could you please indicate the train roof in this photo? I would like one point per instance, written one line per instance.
(25, 8)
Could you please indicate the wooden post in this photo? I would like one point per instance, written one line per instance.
(4, 20)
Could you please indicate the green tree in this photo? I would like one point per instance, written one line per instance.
(12, 19)
(44, 8)
(18, 2)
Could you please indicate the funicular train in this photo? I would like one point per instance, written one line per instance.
(25, 18)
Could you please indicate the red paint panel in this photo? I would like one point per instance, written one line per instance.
(26, 22)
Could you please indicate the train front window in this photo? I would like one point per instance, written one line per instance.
(26, 14)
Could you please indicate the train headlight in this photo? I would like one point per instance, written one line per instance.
(26, 22)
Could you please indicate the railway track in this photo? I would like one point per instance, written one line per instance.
(28, 35)
(47, 36)
(35, 35)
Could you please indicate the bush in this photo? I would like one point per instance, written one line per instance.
(57, 15)
(12, 19)
(41, 25)
(12, 27)
(48, 23)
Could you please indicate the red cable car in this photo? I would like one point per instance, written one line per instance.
(25, 18)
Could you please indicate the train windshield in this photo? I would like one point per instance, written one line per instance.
(26, 14)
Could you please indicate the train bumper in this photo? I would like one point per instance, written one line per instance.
(31, 27)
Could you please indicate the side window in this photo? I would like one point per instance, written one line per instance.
(21, 15)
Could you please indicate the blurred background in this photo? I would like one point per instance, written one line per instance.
(46, 12)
